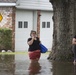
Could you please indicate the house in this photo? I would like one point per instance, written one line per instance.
(22, 16)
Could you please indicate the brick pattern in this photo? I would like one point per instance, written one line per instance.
(13, 28)
(8, 1)
(38, 22)
(6, 13)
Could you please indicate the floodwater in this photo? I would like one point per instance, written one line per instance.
(19, 64)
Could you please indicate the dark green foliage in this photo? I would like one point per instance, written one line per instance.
(5, 38)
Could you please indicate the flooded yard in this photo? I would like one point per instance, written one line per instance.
(19, 64)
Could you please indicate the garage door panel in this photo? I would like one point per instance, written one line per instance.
(21, 45)
(24, 25)
(46, 29)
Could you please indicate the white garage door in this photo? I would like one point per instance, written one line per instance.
(23, 27)
(46, 29)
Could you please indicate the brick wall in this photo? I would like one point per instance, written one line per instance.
(38, 22)
(13, 27)
(8, 1)
(6, 13)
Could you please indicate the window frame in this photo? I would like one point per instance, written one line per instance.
(20, 24)
(25, 24)
(43, 24)
(48, 25)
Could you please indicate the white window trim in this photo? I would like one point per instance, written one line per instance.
(7, 4)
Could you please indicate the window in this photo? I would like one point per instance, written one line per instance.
(20, 24)
(43, 24)
(25, 24)
(48, 24)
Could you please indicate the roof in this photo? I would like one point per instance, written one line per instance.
(31, 5)
(34, 5)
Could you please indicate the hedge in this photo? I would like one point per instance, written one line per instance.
(5, 39)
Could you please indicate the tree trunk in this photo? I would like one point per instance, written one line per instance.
(64, 29)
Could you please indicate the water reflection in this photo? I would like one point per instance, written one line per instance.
(7, 65)
(74, 70)
(34, 68)
(64, 68)
(20, 65)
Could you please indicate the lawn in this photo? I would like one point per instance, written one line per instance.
(13, 53)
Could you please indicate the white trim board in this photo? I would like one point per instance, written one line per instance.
(7, 4)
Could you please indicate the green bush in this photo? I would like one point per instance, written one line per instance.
(5, 38)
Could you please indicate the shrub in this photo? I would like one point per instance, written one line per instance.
(5, 38)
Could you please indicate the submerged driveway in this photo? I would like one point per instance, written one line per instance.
(19, 64)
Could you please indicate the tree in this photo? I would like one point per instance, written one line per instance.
(64, 18)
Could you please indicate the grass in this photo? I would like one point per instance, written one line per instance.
(13, 53)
